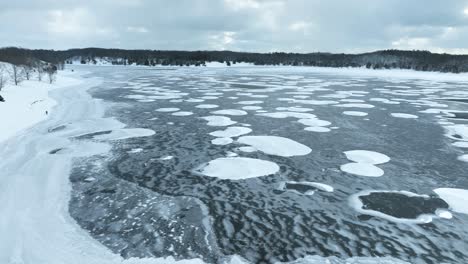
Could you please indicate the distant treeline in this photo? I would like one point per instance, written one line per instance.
(385, 59)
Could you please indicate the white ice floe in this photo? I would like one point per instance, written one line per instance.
(314, 122)
(230, 132)
(463, 158)
(275, 145)
(194, 100)
(294, 109)
(251, 107)
(351, 105)
(125, 133)
(298, 115)
(182, 113)
(168, 109)
(238, 168)
(364, 163)
(207, 106)
(218, 120)
(354, 113)
(233, 112)
(315, 102)
(461, 144)
(315, 259)
(442, 213)
(166, 158)
(317, 129)
(362, 169)
(135, 150)
(249, 102)
(404, 115)
(247, 149)
(457, 199)
(457, 132)
(366, 156)
(221, 141)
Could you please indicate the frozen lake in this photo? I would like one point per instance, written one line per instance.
(273, 164)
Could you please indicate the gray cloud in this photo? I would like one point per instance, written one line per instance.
(247, 25)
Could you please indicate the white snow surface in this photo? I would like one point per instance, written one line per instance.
(354, 113)
(317, 129)
(362, 169)
(274, 145)
(238, 168)
(232, 112)
(168, 109)
(221, 141)
(218, 120)
(230, 132)
(404, 115)
(457, 199)
(364, 163)
(27, 103)
(367, 156)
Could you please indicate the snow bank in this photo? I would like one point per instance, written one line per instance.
(27, 103)
(36, 226)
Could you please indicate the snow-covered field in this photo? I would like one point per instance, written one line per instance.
(279, 159)
(27, 103)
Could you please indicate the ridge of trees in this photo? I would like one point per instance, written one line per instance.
(384, 59)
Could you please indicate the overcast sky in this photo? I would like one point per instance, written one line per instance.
(240, 25)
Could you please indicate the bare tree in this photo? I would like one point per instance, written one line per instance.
(3, 78)
(16, 74)
(39, 68)
(27, 70)
(51, 72)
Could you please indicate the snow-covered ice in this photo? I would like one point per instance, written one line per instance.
(364, 162)
(168, 109)
(207, 106)
(218, 120)
(456, 198)
(404, 115)
(233, 112)
(230, 132)
(274, 145)
(366, 156)
(362, 169)
(182, 113)
(221, 141)
(238, 168)
(355, 113)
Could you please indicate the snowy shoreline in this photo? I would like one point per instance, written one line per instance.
(37, 227)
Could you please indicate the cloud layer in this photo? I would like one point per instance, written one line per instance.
(241, 25)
